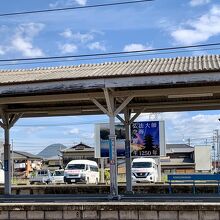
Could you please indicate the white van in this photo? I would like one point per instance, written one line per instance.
(85, 171)
(144, 170)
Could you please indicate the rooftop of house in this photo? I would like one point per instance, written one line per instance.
(25, 155)
(79, 147)
(179, 148)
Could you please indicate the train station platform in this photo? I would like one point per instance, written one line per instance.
(110, 210)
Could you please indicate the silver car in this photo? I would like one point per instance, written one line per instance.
(41, 176)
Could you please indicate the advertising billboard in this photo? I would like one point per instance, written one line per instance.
(102, 140)
(147, 139)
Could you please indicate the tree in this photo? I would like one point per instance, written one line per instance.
(148, 142)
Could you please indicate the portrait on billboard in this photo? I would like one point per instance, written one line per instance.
(145, 138)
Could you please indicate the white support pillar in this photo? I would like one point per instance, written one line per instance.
(6, 124)
(112, 112)
(102, 175)
(113, 159)
(112, 142)
(127, 121)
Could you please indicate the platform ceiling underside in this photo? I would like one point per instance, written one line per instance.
(189, 95)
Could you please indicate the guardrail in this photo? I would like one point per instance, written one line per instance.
(193, 179)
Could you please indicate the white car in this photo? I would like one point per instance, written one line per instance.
(58, 176)
(144, 170)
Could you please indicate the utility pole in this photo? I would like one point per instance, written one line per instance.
(12, 159)
(217, 147)
(213, 147)
(189, 141)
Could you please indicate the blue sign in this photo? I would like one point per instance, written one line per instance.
(6, 165)
(193, 177)
(145, 138)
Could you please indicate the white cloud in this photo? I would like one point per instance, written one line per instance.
(26, 47)
(81, 2)
(88, 135)
(136, 47)
(54, 5)
(199, 30)
(34, 130)
(74, 131)
(83, 38)
(30, 30)
(2, 51)
(22, 41)
(97, 46)
(181, 126)
(68, 48)
(67, 33)
(194, 3)
(67, 3)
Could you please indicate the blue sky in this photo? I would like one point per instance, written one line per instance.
(161, 23)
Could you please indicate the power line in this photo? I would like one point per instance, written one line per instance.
(61, 125)
(110, 53)
(111, 57)
(74, 8)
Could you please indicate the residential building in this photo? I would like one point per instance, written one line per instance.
(79, 151)
(179, 159)
(24, 163)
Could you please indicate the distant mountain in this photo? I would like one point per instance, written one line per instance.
(52, 150)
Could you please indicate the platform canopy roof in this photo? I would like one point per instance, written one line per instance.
(156, 85)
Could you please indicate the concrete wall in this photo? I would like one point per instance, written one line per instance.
(111, 211)
(104, 189)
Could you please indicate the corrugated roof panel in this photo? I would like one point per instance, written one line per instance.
(147, 67)
(139, 69)
(186, 64)
(143, 66)
(119, 69)
(172, 65)
(136, 68)
(217, 61)
(153, 66)
(116, 69)
(167, 66)
(132, 67)
(113, 69)
(162, 65)
(214, 63)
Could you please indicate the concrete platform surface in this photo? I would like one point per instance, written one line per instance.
(111, 210)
